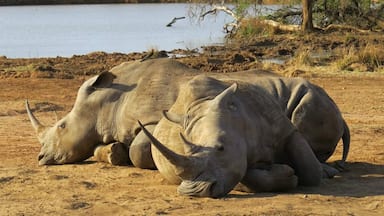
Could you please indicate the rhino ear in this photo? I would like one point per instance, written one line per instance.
(173, 117)
(226, 93)
(103, 80)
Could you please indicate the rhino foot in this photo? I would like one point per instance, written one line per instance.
(118, 155)
(114, 153)
(329, 171)
(339, 165)
(279, 177)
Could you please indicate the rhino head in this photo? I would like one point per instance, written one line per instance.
(214, 158)
(74, 137)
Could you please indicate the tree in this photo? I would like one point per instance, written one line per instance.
(357, 15)
(307, 23)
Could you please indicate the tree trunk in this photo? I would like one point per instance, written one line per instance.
(307, 24)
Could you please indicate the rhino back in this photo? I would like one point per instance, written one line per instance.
(153, 86)
(311, 110)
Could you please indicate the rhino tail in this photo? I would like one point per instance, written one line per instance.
(340, 165)
(346, 142)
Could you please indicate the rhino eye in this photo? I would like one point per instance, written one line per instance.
(62, 125)
(232, 106)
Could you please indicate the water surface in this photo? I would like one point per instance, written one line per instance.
(65, 30)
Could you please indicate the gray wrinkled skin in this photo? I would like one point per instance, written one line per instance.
(108, 106)
(269, 134)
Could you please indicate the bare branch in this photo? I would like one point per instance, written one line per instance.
(229, 28)
(218, 8)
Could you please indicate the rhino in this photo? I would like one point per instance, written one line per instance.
(103, 119)
(106, 109)
(266, 135)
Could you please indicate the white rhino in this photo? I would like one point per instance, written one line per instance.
(106, 111)
(269, 134)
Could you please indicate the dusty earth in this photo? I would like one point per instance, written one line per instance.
(93, 188)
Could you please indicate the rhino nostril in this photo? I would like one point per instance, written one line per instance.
(41, 156)
(220, 148)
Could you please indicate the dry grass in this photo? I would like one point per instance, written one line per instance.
(302, 58)
(369, 58)
(366, 59)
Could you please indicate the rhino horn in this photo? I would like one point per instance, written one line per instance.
(181, 162)
(35, 123)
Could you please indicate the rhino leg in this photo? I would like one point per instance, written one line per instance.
(302, 159)
(318, 119)
(140, 150)
(329, 171)
(279, 177)
(114, 153)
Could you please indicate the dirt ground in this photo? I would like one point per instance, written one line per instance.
(93, 188)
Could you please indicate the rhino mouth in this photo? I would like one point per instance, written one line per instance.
(55, 158)
(43, 160)
(202, 186)
(196, 188)
(50, 159)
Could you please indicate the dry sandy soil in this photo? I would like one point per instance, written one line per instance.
(93, 188)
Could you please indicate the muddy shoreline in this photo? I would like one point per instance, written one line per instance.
(294, 53)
